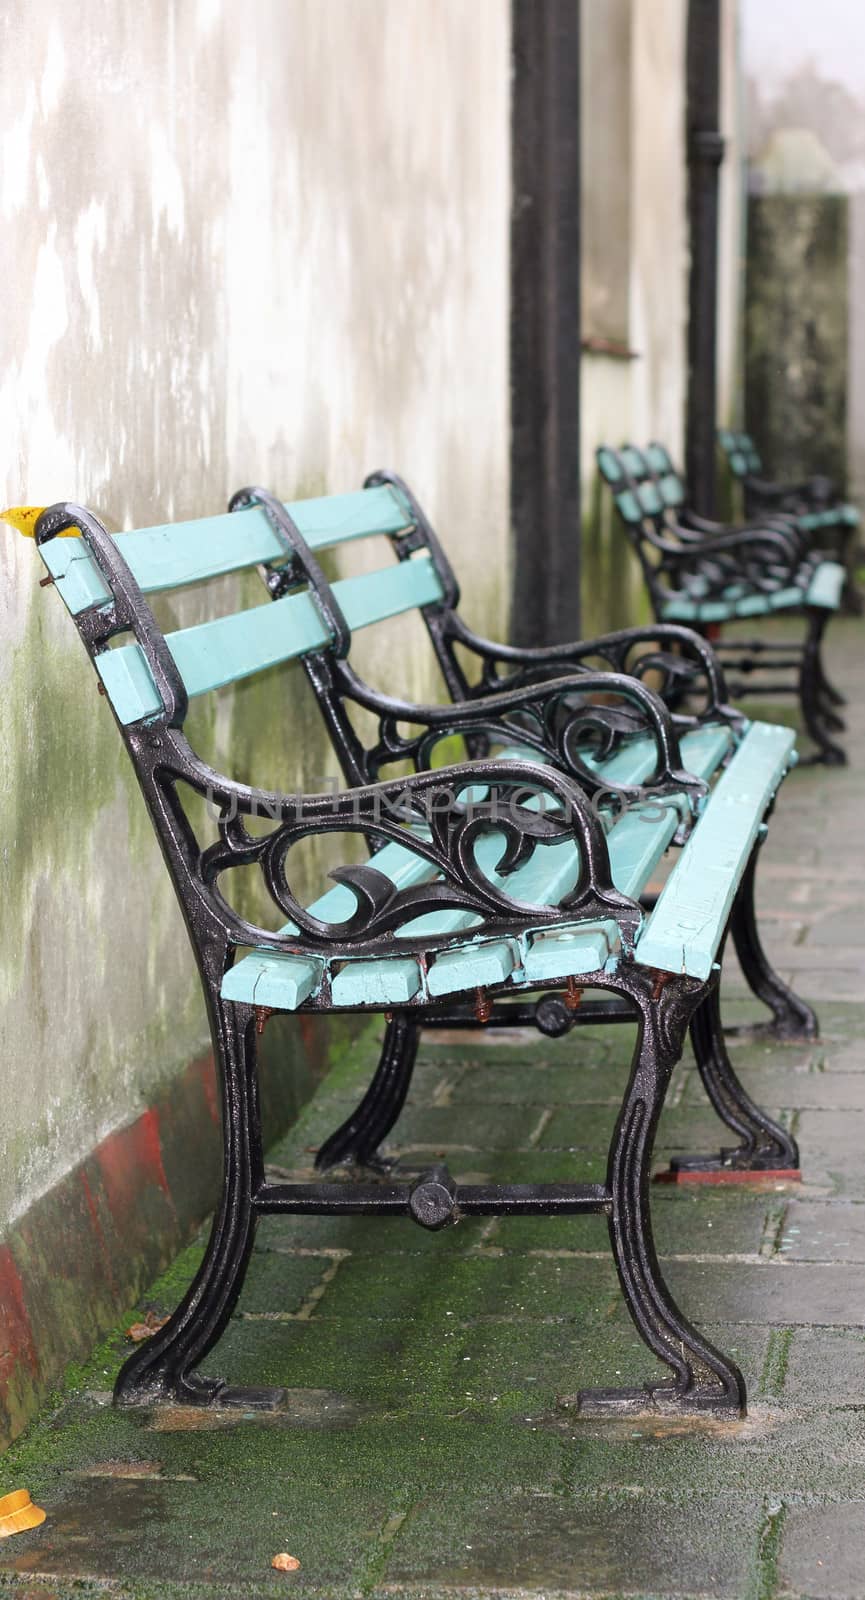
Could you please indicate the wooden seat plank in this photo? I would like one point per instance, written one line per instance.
(685, 929)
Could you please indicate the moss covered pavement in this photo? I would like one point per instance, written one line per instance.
(425, 1450)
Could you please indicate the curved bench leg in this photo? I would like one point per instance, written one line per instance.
(359, 1137)
(811, 677)
(852, 598)
(164, 1367)
(765, 1148)
(704, 1380)
(793, 1018)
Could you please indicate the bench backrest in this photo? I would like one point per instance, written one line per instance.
(87, 572)
(649, 495)
(743, 457)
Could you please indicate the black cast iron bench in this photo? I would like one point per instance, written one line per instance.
(708, 575)
(511, 880)
(814, 502)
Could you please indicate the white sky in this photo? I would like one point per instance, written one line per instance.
(779, 35)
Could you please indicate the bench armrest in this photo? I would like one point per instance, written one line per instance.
(551, 716)
(446, 812)
(811, 493)
(687, 664)
(762, 544)
(781, 522)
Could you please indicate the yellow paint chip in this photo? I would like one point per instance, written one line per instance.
(18, 1513)
(25, 518)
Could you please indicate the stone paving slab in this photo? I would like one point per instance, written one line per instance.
(428, 1448)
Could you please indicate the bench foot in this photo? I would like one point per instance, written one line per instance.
(704, 1378)
(793, 1018)
(717, 1170)
(664, 1400)
(356, 1142)
(251, 1399)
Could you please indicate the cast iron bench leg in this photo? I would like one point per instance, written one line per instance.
(704, 1379)
(358, 1138)
(811, 680)
(766, 1147)
(794, 1019)
(164, 1367)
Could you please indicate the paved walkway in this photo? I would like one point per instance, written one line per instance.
(424, 1452)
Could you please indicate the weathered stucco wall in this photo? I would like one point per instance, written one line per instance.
(634, 198)
(633, 121)
(258, 249)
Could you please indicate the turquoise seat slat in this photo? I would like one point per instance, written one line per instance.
(826, 586)
(377, 983)
(636, 843)
(824, 590)
(189, 552)
(220, 652)
(281, 982)
(569, 952)
(476, 966)
(686, 927)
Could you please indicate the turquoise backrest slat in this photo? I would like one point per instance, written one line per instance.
(672, 490)
(628, 506)
(649, 498)
(633, 460)
(187, 552)
(610, 466)
(658, 458)
(219, 652)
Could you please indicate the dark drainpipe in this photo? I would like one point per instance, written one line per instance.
(545, 320)
(705, 154)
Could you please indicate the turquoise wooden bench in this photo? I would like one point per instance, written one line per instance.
(708, 579)
(510, 880)
(813, 504)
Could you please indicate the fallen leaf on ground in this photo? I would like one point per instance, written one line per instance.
(284, 1563)
(18, 1513)
(143, 1330)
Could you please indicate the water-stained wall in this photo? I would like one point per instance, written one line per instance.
(240, 245)
(635, 261)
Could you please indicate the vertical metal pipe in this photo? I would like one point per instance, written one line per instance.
(545, 320)
(705, 154)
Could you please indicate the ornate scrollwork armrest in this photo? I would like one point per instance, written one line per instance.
(678, 659)
(439, 816)
(758, 547)
(553, 716)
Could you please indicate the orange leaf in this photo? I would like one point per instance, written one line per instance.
(284, 1563)
(143, 1330)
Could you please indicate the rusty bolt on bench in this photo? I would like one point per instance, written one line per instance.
(483, 1006)
(263, 1016)
(573, 996)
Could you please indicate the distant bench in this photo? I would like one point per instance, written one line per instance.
(706, 575)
